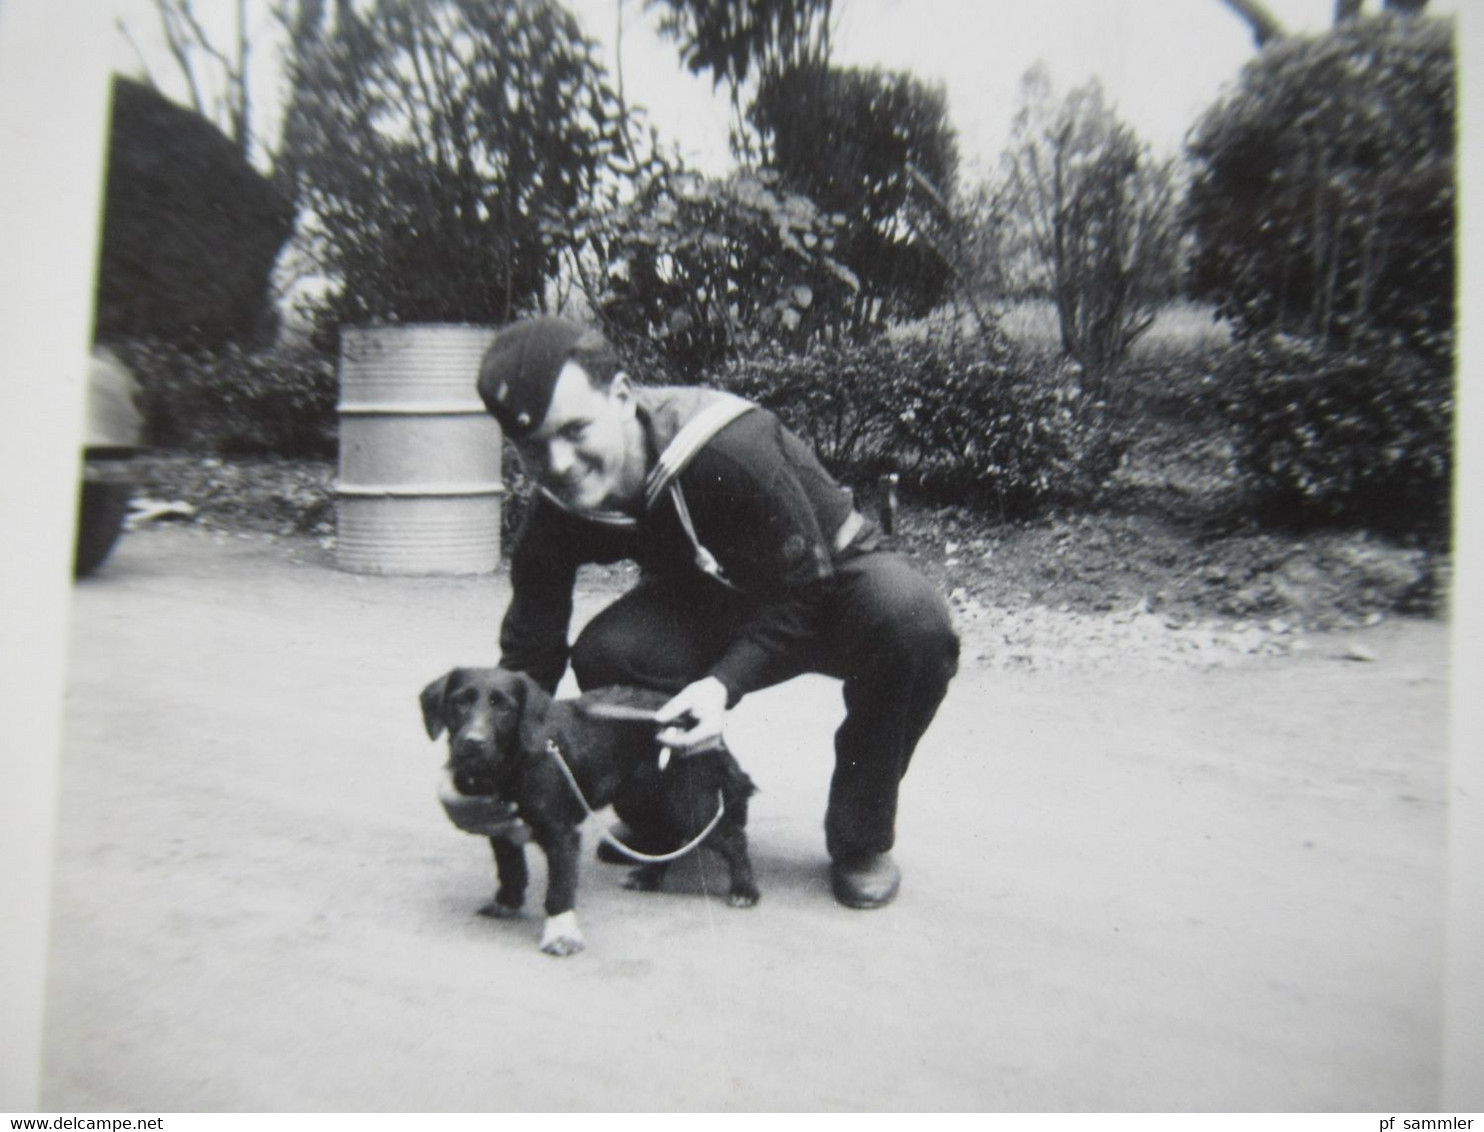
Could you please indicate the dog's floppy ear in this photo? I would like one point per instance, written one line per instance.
(432, 701)
(535, 703)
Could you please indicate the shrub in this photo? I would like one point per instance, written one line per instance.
(1322, 202)
(960, 424)
(279, 402)
(694, 270)
(432, 141)
(1361, 436)
(874, 148)
(1086, 219)
(836, 398)
(998, 434)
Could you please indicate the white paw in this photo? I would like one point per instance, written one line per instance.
(561, 935)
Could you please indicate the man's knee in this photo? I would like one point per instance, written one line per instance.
(926, 644)
(622, 650)
(912, 625)
(602, 657)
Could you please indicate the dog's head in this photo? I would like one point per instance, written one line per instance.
(493, 717)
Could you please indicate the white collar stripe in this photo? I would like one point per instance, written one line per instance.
(691, 438)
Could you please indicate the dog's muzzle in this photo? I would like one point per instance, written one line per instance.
(473, 747)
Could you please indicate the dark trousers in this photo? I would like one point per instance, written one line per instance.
(884, 631)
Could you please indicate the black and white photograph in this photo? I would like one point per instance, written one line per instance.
(725, 556)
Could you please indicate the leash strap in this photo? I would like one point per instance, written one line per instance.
(692, 437)
(705, 561)
(633, 854)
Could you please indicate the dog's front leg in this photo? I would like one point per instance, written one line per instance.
(512, 876)
(563, 849)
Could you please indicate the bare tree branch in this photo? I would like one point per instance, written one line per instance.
(180, 48)
(243, 114)
(149, 77)
(1265, 26)
(198, 33)
(948, 255)
(189, 43)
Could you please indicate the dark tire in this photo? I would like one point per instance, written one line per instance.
(100, 520)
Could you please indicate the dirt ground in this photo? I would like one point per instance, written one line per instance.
(1129, 886)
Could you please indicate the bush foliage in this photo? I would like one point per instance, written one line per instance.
(1322, 203)
(1356, 437)
(1322, 212)
(1320, 219)
(279, 402)
(837, 399)
(693, 269)
(954, 421)
(862, 144)
(1085, 218)
(433, 142)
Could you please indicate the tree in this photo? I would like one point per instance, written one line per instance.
(1088, 220)
(742, 40)
(1322, 217)
(872, 148)
(223, 98)
(1266, 28)
(215, 66)
(435, 142)
(1322, 202)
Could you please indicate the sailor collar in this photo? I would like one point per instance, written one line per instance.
(663, 479)
(692, 436)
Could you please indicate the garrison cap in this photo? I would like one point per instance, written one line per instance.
(520, 370)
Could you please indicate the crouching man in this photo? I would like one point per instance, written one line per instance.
(755, 568)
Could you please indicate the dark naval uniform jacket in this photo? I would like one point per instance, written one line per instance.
(733, 500)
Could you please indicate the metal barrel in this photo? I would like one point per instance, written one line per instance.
(419, 489)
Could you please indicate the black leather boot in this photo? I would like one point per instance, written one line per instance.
(866, 882)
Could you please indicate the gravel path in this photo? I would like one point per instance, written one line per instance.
(1138, 886)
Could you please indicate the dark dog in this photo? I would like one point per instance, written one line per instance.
(501, 727)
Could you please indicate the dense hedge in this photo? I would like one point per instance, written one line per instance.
(957, 423)
(837, 399)
(231, 402)
(1322, 198)
(1321, 212)
(190, 230)
(1360, 437)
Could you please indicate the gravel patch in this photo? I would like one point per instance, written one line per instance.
(1088, 591)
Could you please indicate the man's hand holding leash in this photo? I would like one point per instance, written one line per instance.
(703, 706)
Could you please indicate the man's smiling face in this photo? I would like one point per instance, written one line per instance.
(588, 451)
